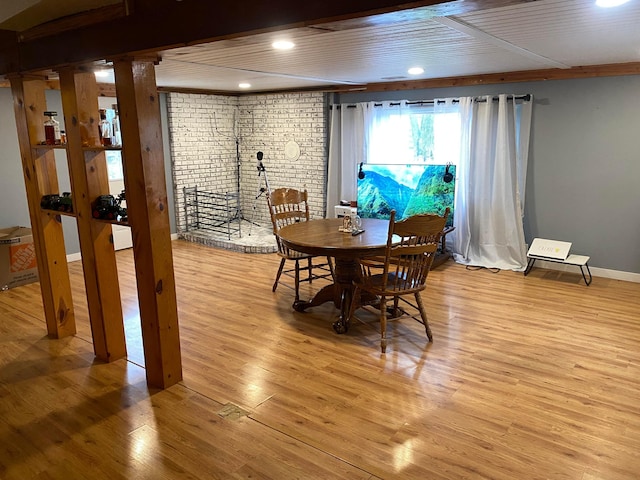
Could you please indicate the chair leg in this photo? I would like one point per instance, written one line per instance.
(297, 281)
(275, 284)
(309, 268)
(396, 302)
(423, 314)
(383, 324)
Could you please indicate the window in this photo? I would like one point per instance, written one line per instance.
(114, 166)
(412, 136)
(410, 149)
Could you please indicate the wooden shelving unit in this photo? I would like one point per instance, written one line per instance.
(100, 148)
(146, 206)
(112, 222)
(39, 170)
(48, 211)
(62, 146)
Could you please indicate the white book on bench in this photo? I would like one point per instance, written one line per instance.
(551, 249)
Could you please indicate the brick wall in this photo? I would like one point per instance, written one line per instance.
(204, 130)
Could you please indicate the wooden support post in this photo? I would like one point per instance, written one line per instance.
(40, 177)
(148, 214)
(89, 179)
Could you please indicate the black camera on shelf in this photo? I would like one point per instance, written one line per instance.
(50, 202)
(65, 203)
(59, 203)
(108, 207)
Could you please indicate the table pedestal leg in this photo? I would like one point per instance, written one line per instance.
(326, 294)
(340, 292)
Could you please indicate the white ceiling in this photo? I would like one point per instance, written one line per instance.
(529, 36)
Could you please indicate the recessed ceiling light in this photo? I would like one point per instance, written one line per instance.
(415, 71)
(610, 3)
(283, 45)
(244, 85)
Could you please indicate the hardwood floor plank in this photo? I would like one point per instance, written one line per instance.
(533, 377)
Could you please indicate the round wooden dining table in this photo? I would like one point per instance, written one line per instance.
(323, 238)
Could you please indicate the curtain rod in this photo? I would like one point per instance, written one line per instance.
(526, 98)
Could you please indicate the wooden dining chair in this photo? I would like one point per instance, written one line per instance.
(402, 272)
(288, 206)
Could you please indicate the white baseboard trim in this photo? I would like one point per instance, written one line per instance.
(74, 257)
(595, 271)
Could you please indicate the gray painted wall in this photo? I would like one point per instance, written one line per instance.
(584, 162)
(13, 196)
(583, 165)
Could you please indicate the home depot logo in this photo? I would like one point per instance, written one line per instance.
(23, 257)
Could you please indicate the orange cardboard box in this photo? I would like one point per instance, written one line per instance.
(17, 257)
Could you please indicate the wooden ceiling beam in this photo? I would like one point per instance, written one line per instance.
(589, 71)
(9, 60)
(73, 22)
(161, 24)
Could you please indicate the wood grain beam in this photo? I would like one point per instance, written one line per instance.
(589, 71)
(147, 208)
(72, 22)
(104, 89)
(157, 25)
(9, 60)
(39, 168)
(89, 179)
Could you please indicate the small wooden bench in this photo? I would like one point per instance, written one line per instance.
(581, 261)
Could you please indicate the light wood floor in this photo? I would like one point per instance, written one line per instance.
(527, 378)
